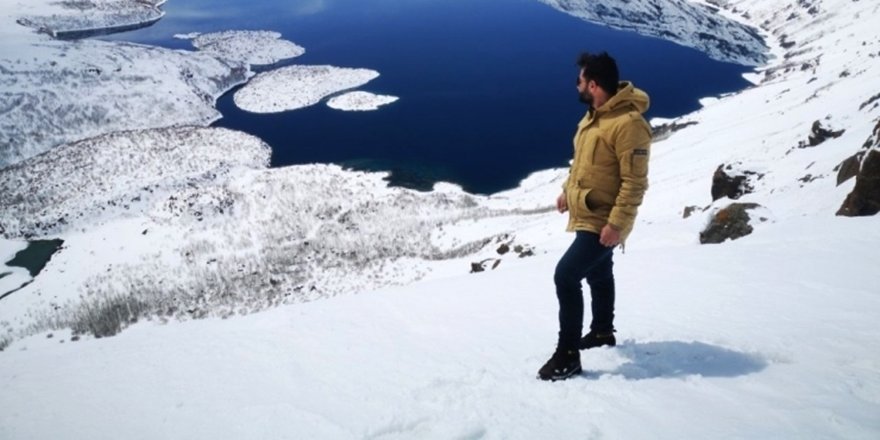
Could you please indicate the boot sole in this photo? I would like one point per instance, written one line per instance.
(577, 370)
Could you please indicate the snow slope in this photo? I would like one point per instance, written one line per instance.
(695, 24)
(769, 336)
(754, 339)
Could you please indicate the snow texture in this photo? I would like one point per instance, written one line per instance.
(250, 47)
(772, 335)
(295, 87)
(55, 92)
(692, 24)
(360, 101)
(82, 18)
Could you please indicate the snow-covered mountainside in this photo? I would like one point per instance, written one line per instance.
(78, 19)
(694, 24)
(772, 335)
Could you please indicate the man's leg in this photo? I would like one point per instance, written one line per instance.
(601, 281)
(584, 254)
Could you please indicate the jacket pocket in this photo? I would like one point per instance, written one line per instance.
(577, 202)
(639, 162)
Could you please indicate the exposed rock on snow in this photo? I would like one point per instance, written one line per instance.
(819, 134)
(730, 223)
(360, 101)
(733, 181)
(865, 197)
(666, 129)
(849, 168)
(687, 23)
(294, 87)
(250, 47)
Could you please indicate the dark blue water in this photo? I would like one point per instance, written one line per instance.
(486, 87)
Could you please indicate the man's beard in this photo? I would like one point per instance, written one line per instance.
(586, 98)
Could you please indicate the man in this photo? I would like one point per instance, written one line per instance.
(608, 177)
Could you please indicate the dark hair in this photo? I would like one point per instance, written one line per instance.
(602, 69)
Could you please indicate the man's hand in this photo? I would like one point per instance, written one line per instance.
(609, 237)
(561, 203)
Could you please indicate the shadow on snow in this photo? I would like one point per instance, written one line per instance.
(673, 359)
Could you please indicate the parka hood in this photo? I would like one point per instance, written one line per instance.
(627, 95)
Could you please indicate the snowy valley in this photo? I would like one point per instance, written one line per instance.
(390, 313)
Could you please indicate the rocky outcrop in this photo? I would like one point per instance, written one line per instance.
(819, 134)
(864, 200)
(664, 131)
(849, 168)
(731, 223)
(733, 182)
(865, 167)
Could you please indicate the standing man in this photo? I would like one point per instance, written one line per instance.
(608, 177)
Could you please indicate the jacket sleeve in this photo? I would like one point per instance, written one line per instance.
(632, 146)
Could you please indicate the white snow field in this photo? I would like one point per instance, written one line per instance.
(371, 324)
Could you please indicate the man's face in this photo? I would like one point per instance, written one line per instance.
(584, 89)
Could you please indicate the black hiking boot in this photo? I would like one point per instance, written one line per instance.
(598, 339)
(562, 365)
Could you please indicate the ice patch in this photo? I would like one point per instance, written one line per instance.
(295, 87)
(251, 47)
(360, 101)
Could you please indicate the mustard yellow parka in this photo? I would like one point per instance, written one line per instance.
(609, 173)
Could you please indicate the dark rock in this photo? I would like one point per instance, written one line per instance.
(808, 178)
(477, 267)
(688, 210)
(870, 101)
(663, 131)
(731, 223)
(503, 249)
(821, 134)
(864, 200)
(849, 168)
(731, 185)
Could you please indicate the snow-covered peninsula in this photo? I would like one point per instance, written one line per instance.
(440, 304)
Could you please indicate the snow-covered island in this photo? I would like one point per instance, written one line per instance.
(250, 47)
(440, 305)
(360, 101)
(295, 87)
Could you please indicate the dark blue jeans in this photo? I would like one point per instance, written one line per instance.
(585, 258)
